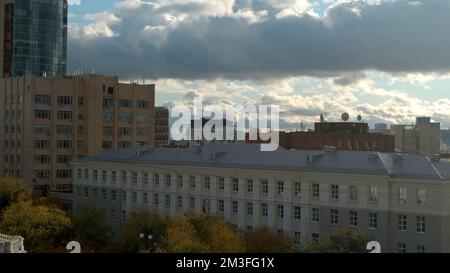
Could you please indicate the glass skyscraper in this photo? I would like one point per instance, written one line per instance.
(39, 37)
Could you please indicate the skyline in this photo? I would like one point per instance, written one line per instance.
(374, 61)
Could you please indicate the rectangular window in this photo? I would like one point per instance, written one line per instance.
(168, 180)
(142, 104)
(353, 218)
(113, 195)
(143, 132)
(207, 183)
(42, 114)
(297, 213)
(124, 196)
(297, 189)
(265, 186)
(125, 103)
(373, 194)
(143, 118)
(180, 202)
(280, 187)
(315, 215)
(297, 238)
(192, 203)
(334, 192)
(353, 193)
(421, 197)
(145, 197)
(156, 199)
(113, 176)
(421, 224)
(180, 181)
(95, 175)
(65, 100)
(280, 211)
(221, 183)
(104, 176)
(64, 130)
(42, 99)
(65, 115)
(221, 205)
(124, 131)
(249, 185)
(192, 180)
(104, 194)
(401, 247)
(401, 222)
(134, 197)
(264, 210)
(402, 195)
(249, 208)
(156, 180)
(235, 183)
(235, 207)
(420, 249)
(125, 117)
(123, 176)
(94, 193)
(315, 190)
(334, 216)
(373, 220)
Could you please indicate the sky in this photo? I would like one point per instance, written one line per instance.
(386, 60)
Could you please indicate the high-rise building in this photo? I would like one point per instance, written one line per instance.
(161, 126)
(46, 122)
(421, 138)
(33, 37)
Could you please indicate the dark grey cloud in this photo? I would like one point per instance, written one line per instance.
(399, 36)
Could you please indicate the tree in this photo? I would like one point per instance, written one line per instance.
(343, 240)
(10, 191)
(43, 227)
(90, 229)
(142, 222)
(202, 233)
(263, 240)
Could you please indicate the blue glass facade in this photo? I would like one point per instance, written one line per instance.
(39, 37)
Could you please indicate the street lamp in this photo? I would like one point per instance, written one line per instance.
(146, 236)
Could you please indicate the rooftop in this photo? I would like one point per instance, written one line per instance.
(250, 156)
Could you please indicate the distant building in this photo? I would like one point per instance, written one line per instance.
(445, 141)
(421, 138)
(399, 200)
(11, 244)
(344, 136)
(380, 128)
(46, 122)
(33, 37)
(161, 126)
(198, 127)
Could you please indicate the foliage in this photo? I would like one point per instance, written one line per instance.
(43, 227)
(11, 190)
(343, 240)
(263, 240)
(90, 229)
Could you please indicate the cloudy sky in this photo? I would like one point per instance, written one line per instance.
(387, 60)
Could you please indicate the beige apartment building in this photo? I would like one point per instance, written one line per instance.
(421, 138)
(161, 126)
(399, 200)
(46, 122)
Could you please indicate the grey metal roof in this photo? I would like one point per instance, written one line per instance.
(250, 156)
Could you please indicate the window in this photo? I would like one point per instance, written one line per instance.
(180, 202)
(38, 159)
(113, 176)
(402, 195)
(221, 184)
(42, 99)
(315, 215)
(80, 101)
(249, 208)
(264, 210)
(334, 216)
(135, 178)
(113, 214)
(124, 117)
(42, 130)
(94, 193)
(124, 131)
(421, 197)
(235, 183)
(249, 185)
(142, 132)
(207, 183)
(315, 190)
(156, 179)
(206, 205)
(297, 238)
(64, 144)
(315, 237)
(280, 211)
(86, 192)
(123, 176)
(421, 224)
(221, 206)
(108, 103)
(373, 220)
(401, 222)
(401, 247)
(168, 180)
(63, 159)
(143, 118)
(104, 194)
(86, 174)
(134, 197)
(353, 193)
(65, 115)
(334, 192)
(64, 130)
(180, 181)
(192, 203)
(235, 207)
(124, 196)
(265, 186)
(95, 175)
(353, 218)
(280, 187)
(192, 179)
(297, 213)
(297, 189)
(142, 104)
(42, 114)
(420, 249)
(63, 173)
(113, 195)
(145, 197)
(104, 175)
(373, 194)
(145, 179)
(79, 173)
(65, 100)
(108, 117)
(156, 199)
(125, 103)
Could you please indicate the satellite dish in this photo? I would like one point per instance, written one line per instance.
(359, 118)
(345, 117)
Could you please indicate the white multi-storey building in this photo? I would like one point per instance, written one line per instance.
(400, 200)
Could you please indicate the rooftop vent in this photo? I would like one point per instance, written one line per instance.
(398, 157)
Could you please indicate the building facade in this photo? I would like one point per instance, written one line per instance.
(161, 126)
(421, 138)
(46, 122)
(33, 37)
(399, 200)
(11, 244)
